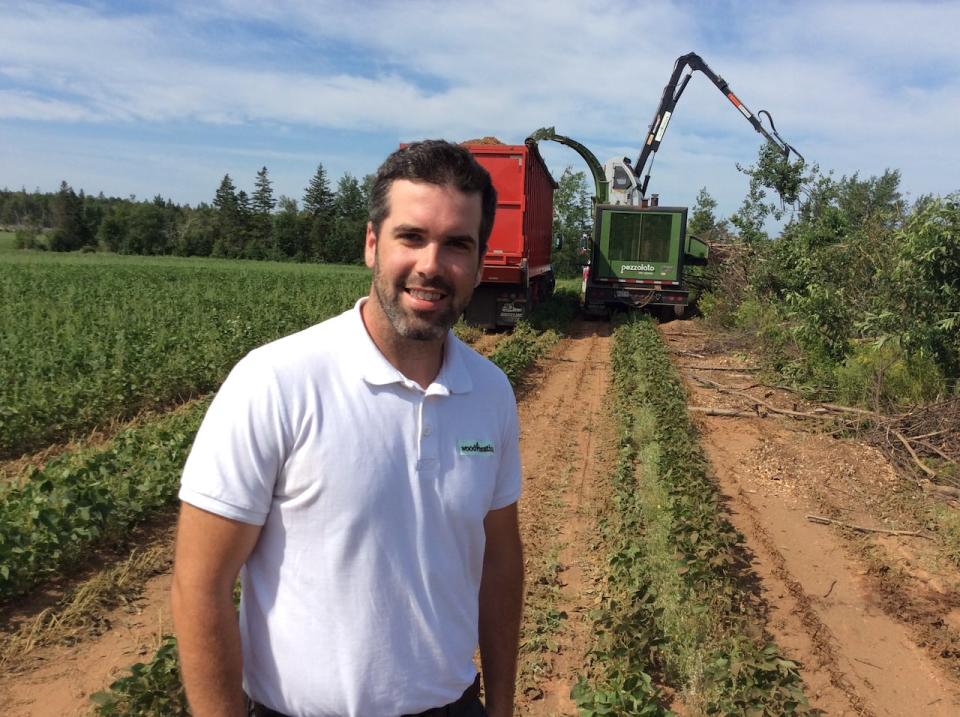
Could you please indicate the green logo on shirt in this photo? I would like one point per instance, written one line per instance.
(475, 448)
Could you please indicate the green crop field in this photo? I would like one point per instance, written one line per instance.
(89, 339)
(7, 241)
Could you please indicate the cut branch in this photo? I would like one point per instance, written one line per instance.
(722, 368)
(913, 454)
(816, 413)
(863, 529)
(713, 411)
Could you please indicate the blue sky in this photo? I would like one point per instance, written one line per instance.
(164, 98)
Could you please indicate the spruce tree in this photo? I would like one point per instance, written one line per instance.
(345, 245)
(68, 221)
(262, 244)
(229, 240)
(263, 201)
(318, 199)
(318, 206)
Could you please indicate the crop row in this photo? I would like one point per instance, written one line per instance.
(52, 517)
(677, 605)
(93, 340)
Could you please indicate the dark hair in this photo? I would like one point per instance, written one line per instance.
(435, 161)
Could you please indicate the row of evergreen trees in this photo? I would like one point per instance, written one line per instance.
(328, 226)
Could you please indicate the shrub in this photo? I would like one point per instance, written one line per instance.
(884, 376)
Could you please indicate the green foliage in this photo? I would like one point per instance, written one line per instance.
(885, 376)
(532, 338)
(317, 197)
(52, 516)
(703, 222)
(677, 600)
(29, 238)
(774, 171)
(853, 268)
(749, 219)
(515, 353)
(95, 339)
(347, 230)
(150, 690)
(238, 225)
(572, 220)
(71, 225)
(927, 281)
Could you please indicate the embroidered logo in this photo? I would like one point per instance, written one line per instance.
(475, 448)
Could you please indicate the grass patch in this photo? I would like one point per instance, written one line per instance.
(947, 522)
(678, 603)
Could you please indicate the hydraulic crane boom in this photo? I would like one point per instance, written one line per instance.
(671, 95)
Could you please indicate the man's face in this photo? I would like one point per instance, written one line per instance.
(426, 259)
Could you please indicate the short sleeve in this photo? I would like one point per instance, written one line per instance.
(240, 447)
(507, 490)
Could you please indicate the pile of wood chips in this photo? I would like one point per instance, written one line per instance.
(482, 140)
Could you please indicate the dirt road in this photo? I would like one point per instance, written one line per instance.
(871, 617)
(567, 450)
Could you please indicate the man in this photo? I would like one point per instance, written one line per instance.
(364, 473)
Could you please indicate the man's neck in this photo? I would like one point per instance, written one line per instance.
(419, 361)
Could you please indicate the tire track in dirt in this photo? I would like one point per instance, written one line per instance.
(856, 659)
(567, 450)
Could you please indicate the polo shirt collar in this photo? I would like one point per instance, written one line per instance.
(377, 371)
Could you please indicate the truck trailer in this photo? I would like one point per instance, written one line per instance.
(517, 273)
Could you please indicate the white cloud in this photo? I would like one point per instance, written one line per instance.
(851, 85)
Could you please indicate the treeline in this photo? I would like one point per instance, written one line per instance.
(859, 295)
(327, 226)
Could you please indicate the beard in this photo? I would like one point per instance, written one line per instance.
(413, 324)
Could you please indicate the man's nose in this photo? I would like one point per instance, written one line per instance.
(428, 259)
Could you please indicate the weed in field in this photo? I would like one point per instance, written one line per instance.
(947, 522)
(151, 689)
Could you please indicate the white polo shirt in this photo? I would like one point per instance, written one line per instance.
(361, 596)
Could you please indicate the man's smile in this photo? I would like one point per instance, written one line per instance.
(425, 294)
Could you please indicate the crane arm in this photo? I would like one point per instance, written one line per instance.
(671, 95)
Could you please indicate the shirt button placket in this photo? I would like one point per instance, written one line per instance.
(429, 447)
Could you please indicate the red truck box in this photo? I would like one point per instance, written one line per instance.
(517, 273)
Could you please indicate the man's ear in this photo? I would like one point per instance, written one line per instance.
(370, 246)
